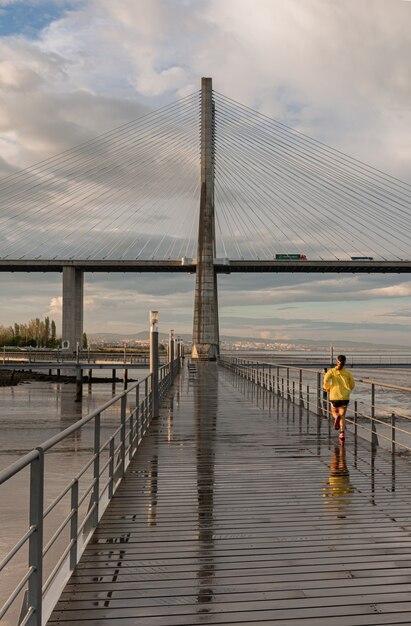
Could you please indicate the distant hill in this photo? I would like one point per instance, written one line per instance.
(323, 344)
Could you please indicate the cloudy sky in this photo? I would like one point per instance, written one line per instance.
(337, 70)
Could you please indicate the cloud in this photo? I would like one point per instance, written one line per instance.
(334, 70)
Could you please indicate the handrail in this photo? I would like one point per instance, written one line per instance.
(18, 465)
(275, 378)
(367, 381)
(52, 441)
(118, 449)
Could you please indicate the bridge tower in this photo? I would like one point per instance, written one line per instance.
(205, 330)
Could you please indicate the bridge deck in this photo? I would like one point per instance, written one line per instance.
(228, 515)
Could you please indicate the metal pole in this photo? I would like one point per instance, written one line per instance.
(154, 368)
(96, 469)
(35, 584)
(319, 407)
(300, 381)
(392, 452)
(373, 430)
(392, 433)
(355, 418)
(74, 524)
(111, 469)
(123, 433)
(137, 414)
(171, 352)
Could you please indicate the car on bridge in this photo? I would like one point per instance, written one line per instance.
(290, 257)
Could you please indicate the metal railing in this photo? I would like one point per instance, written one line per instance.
(57, 356)
(80, 504)
(371, 414)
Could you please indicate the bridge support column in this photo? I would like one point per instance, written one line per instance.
(205, 331)
(73, 289)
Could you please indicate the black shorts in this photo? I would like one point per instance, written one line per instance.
(337, 403)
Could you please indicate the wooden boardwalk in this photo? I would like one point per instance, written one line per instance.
(238, 509)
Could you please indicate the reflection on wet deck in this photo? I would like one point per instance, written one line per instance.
(240, 508)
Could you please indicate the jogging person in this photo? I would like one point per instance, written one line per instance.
(339, 382)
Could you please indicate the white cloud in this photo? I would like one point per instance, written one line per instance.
(336, 70)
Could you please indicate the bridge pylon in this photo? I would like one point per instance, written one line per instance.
(206, 342)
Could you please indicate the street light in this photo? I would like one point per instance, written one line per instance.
(153, 319)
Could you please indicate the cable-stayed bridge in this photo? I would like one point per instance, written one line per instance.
(204, 185)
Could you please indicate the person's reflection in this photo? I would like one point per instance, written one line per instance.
(206, 402)
(338, 490)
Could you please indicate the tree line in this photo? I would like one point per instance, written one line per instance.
(36, 333)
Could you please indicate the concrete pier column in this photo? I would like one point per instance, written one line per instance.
(73, 292)
(205, 329)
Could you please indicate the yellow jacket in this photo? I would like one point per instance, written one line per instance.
(339, 383)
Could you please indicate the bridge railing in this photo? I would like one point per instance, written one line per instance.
(380, 412)
(103, 442)
(84, 356)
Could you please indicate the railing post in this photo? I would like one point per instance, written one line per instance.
(355, 418)
(35, 583)
(308, 397)
(74, 524)
(373, 429)
(288, 384)
(123, 402)
(319, 407)
(111, 469)
(96, 469)
(300, 380)
(392, 433)
(393, 452)
(146, 401)
(131, 435)
(137, 414)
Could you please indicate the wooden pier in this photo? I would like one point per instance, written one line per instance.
(241, 508)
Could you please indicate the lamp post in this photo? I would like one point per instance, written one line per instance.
(171, 351)
(154, 361)
(178, 352)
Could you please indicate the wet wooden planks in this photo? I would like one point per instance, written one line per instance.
(242, 509)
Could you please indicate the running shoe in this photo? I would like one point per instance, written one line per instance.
(342, 437)
(337, 423)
